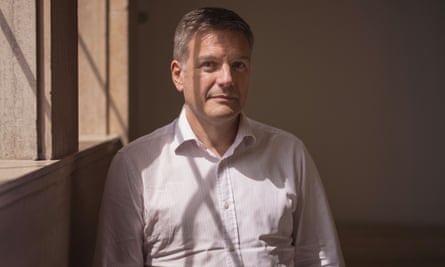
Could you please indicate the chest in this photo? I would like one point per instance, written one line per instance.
(197, 203)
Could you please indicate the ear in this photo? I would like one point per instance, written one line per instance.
(176, 71)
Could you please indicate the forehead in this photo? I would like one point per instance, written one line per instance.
(222, 41)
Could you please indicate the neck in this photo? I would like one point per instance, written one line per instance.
(216, 136)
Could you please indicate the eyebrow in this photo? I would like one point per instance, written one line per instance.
(210, 57)
(205, 58)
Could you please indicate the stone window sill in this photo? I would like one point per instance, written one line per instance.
(17, 173)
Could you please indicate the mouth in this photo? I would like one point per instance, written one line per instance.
(223, 98)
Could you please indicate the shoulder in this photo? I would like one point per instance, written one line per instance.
(280, 150)
(270, 134)
(148, 146)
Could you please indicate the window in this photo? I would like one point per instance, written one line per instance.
(63, 74)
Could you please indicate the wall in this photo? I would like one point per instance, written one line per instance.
(18, 85)
(50, 192)
(35, 219)
(360, 83)
(48, 217)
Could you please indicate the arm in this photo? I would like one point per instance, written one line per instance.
(315, 237)
(120, 232)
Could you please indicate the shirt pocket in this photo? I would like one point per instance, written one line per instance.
(280, 219)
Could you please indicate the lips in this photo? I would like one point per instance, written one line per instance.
(223, 93)
(223, 98)
(229, 97)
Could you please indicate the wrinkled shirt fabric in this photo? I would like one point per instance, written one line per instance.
(169, 201)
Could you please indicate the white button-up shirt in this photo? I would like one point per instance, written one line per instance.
(169, 201)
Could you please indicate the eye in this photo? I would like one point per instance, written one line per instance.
(208, 65)
(239, 66)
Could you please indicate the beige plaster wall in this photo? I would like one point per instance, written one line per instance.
(35, 220)
(92, 51)
(48, 217)
(360, 82)
(18, 85)
(103, 68)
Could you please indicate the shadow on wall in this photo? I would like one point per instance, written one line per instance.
(360, 83)
(103, 86)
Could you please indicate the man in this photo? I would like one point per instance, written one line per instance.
(215, 188)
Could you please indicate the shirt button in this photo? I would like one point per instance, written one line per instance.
(231, 248)
(226, 205)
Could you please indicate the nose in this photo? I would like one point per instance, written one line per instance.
(225, 78)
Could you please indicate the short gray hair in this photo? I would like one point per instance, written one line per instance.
(207, 19)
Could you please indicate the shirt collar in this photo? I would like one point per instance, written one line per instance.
(184, 133)
(245, 132)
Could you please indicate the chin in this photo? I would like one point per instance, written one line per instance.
(225, 116)
(224, 111)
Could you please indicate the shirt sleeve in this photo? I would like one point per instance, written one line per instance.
(120, 231)
(315, 236)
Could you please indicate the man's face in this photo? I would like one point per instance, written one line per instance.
(215, 77)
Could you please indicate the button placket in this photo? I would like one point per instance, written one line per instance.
(228, 215)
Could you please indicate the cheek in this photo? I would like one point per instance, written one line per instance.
(242, 77)
(206, 82)
(243, 83)
(197, 90)
(243, 91)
